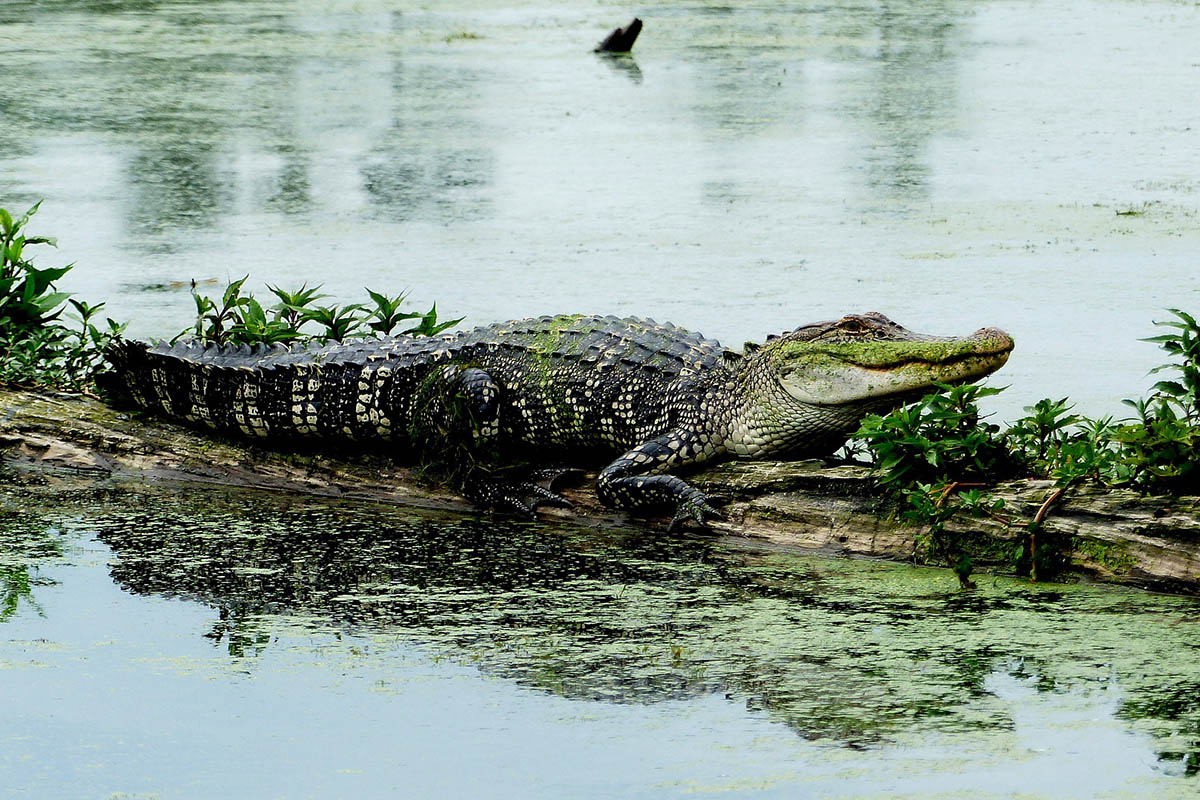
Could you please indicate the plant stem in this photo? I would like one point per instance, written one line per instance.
(1036, 525)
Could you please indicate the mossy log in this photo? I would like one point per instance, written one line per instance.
(1109, 535)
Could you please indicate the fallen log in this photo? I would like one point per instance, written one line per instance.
(1116, 536)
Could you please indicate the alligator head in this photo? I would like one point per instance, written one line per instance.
(866, 359)
(809, 389)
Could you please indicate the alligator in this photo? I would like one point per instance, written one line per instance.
(660, 398)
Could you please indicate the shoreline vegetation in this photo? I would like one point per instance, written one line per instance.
(1054, 494)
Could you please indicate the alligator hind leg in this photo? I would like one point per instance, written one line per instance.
(459, 423)
(455, 407)
(519, 496)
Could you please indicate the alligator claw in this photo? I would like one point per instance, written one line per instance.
(550, 498)
(551, 475)
(698, 507)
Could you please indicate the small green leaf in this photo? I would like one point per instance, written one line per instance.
(232, 291)
(1173, 388)
(24, 219)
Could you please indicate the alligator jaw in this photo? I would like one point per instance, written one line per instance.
(991, 353)
(845, 365)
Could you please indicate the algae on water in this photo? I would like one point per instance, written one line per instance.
(849, 652)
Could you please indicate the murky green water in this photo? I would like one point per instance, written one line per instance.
(218, 645)
(754, 166)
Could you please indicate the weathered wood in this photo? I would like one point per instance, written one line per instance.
(1110, 535)
(621, 40)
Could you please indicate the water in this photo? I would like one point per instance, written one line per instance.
(203, 644)
(752, 167)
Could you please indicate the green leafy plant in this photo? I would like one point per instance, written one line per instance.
(1182, 394)
(240, 319)
(212, 320)
(1089, 453)
(1160, 448)
(1036, 437)
(253, 326)
(292, 306)
(35, 348)
(339, 322)
(1160, 451)
(387, 314)
(940, 437)
(927, 454)
(237, 318)
(429, 325)
(27, 296)
(1051, 442)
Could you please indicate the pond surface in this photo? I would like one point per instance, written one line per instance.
(196, 644)
(754, 166)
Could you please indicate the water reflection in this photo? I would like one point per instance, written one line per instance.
(902, 90)
(285, 112)
(219, 111)
(289, 190)
(25, 545)
(888, 69)
(432, 159)
(742, 61)
(623, 64)
(913, 93)
(175, 185)
(844, 651)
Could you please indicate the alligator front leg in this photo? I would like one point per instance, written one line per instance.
(636, 479)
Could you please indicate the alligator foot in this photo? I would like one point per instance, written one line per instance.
(520, 496)
(698, 506)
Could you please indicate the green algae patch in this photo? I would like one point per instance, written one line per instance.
(1113, 557)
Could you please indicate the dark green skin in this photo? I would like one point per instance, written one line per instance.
(657, 397)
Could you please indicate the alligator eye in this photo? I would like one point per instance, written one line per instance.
(852, 326)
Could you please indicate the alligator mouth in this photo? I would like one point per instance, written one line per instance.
(888, 373)
(998, 357)
(992, 346)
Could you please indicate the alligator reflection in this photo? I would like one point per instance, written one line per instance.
(851, 651)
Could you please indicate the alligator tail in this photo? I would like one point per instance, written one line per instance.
(115, 385)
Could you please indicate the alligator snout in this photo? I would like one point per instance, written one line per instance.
(999, 341)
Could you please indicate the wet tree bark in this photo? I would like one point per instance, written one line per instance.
(1109, 535)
